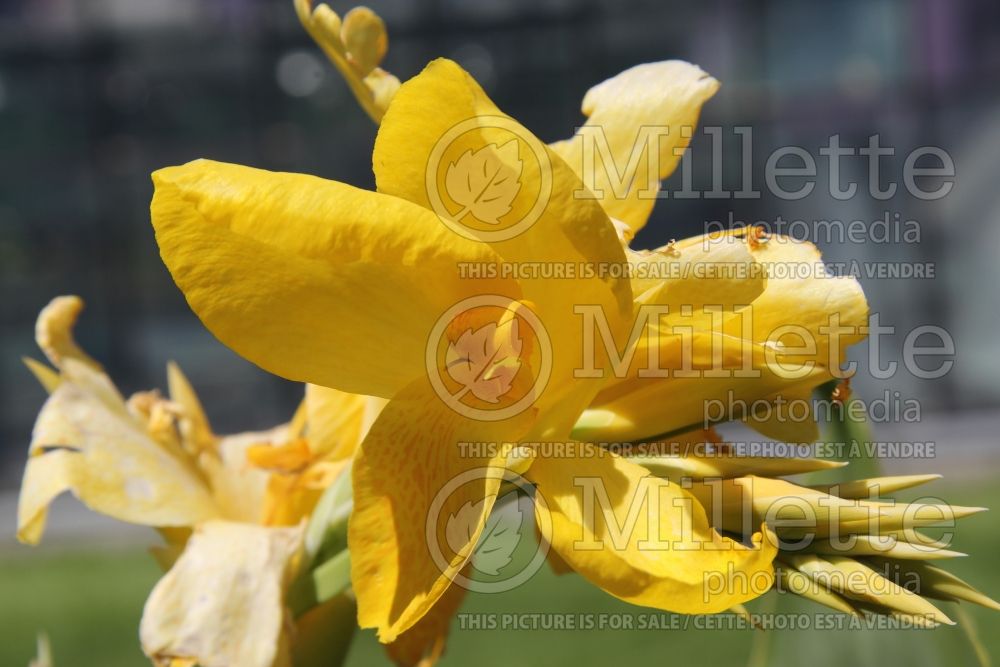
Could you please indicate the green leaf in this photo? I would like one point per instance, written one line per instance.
(326, 533)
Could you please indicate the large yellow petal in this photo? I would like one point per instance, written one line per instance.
(222, 603)
(312, 280)
(665, 95)
(418, 144)
(641, 538)
(403, 558)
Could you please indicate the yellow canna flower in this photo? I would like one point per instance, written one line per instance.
(231, 509)
(323, 283)
(742, 313)
(398, 309)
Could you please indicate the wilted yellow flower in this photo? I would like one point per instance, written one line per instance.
(233, 528)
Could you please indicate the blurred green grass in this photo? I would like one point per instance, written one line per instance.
(90, 602)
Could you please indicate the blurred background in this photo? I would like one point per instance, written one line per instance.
(96, 94)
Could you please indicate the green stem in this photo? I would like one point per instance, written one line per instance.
(843, 428)
(324, 582)
(324, 633)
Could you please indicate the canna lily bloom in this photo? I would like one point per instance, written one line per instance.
(320, 282)
(324, 283)
(366, 292)
(230, 508)
(758, 311)
(396, 307)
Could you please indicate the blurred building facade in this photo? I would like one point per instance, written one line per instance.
(94, 95)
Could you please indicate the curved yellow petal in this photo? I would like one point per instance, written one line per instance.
(801, 296)
(222, 603)
(424, 643)
(87, 441)
(194, 426)
(621, 112)
(641, 538)
(312, 280)
(54, 335)
(421, 500)
(109, 462)
(54, 331)
(441, 120)
(337, 422)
